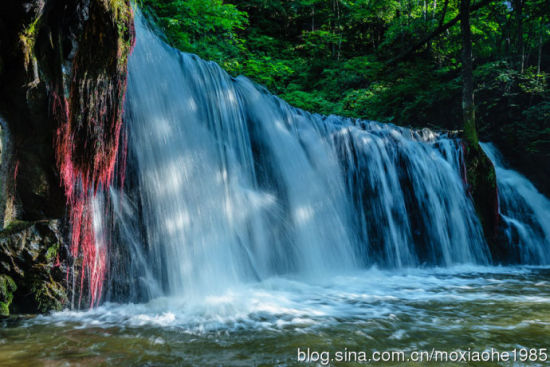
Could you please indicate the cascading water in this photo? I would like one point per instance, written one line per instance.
(248, 229)
(411, 204)
(229, 184)
(212, 215)
(525, 213)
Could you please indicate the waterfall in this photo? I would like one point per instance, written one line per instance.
(228, 184)
(525, 214)
(6, 205)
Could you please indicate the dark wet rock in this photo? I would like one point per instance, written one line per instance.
(63, 69)
(32, 261)
(481, 181)
(7, 288)
(62, 77)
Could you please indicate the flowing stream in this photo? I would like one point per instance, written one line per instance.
(248, 229)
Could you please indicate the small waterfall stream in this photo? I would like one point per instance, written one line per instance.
(525, 213)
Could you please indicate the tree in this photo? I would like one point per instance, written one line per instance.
(468, 107)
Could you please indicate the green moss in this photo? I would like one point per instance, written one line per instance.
(14, 227)
(120, 9)
(49, 296)
(7, 288)
(122, 17)
(482, 184)
(470, 134)
(4, 309)
(28, 40)
(52, 252)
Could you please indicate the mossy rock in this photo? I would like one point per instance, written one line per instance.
(4, 309)
(14, 227)
(29, 253)
(482, 186)
(49, 296)
(7, 288)
(52, 252)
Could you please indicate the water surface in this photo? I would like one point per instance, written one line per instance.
(263, 324)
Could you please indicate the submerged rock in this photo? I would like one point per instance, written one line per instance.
(32, 259)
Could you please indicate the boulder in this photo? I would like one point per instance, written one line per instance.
(32, 268)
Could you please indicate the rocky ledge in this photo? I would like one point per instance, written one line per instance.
(32, 268)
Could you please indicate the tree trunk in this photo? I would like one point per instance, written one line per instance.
(518, 8)
(313, 17)
(338, 29)
(539, 59)
(425, 11)
(468, 108)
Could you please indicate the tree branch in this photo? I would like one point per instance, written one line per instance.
(440, 29)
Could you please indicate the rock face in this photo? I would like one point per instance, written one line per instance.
(33, 276)
(62, 85)
(7, 288)
(481, 181)
(62, 82)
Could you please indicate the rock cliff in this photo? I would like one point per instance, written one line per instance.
(62, 84)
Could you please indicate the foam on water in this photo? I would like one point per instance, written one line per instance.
(282, 304)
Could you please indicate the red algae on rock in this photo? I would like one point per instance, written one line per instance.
(88, 136)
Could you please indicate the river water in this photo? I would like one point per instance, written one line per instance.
(264, 324)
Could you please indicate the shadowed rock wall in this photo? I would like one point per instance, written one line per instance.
(62, 84)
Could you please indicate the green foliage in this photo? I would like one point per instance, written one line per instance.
(52, 252)
(339, 57)
(270, 72)
(205, 27)
(514, 107)
(312, 102)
